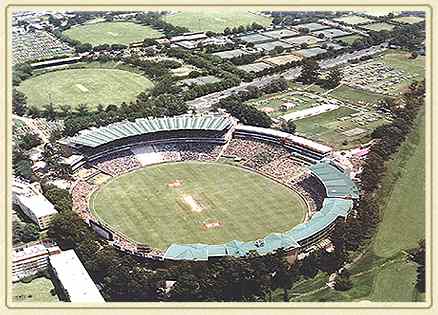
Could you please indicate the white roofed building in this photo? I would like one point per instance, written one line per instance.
(72, 280)
(33, 203)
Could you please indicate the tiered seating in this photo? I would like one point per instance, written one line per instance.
(117, 163)
(272, 153)
(312, 189)
(199, 151)
(283, 169)
(80, 193)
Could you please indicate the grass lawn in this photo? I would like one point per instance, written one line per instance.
(84, 86)
(350, 38)
(215, 20)
(111, 33)
(395, 283)
(275, 100)
(402, 61)
(409, 19)
(353, 20)
(143, 206)
(351, 95)
(378, 27)
(403, 223)
(36, 291)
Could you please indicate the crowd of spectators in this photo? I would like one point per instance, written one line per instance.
(117, 163)
(283, 169)
(312, 189)
(80, 194)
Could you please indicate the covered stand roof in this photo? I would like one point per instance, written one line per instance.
(337, 183)
(102, 135)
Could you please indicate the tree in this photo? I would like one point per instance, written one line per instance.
(49, 111)
(289, 126)
(29, 140)
(23, 168)
(343, 283)
(310, 71)
(34, 112)
(60, 198)
(334, 78)
(285, 275)
(309, 267)
(82, 109)
(69, 230)
(418, 255)
(30, 233)
(19, 102)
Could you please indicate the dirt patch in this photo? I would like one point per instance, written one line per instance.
(175, 184)
(212, 225)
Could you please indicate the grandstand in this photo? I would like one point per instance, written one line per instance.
(298, 163)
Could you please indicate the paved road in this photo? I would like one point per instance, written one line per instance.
(205, 102)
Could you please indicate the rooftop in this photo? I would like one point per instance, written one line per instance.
(74, 278)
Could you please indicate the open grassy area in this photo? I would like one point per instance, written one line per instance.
(326, 128)
(215, 20)
(111, 33)
(378, 26)
(143, 206)
(402, 61)
(36, 291)
(84, 86)
(403, 223)
(350, 38)
(395, 283)
(354, 96)
(353, 20)
(409, 19)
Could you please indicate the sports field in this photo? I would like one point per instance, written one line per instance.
(215, 20)
(409, 19)
(377, 27)
(84, 86)
(111, 33)
(196, 202)
(353, 20)
(350, 39)
(36, 291)
(354, 96)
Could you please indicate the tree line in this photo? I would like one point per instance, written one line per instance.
(361, 228)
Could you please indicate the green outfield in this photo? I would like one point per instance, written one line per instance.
(215, 20)
(171, 203)
(84, 86)
(36, 291)
(111, 33)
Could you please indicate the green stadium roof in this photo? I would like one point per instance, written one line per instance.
(336, 182)
(99, 136)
